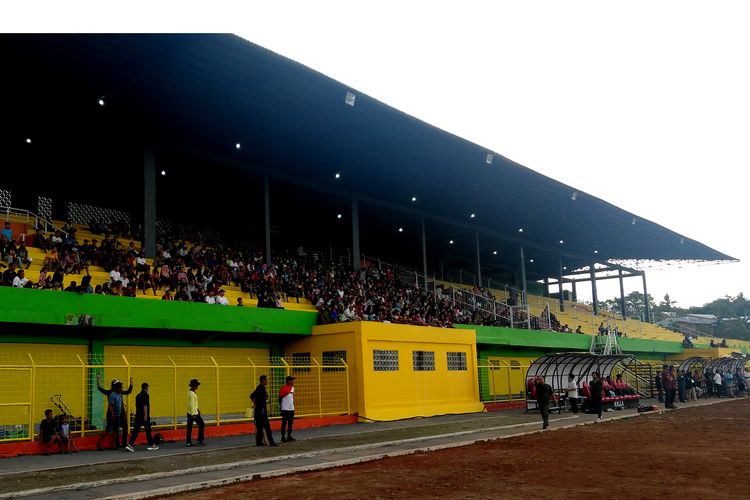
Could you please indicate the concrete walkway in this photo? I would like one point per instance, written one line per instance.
(175, 469)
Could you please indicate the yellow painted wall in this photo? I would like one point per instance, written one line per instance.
(381, 395)
(707, 352)
(507, 380)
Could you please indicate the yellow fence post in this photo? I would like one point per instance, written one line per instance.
(32, 387)
(348, 400)
(83, 395)
(174, 415)
(127, 376)
(218, 407)
(320, 388)
(510, 390)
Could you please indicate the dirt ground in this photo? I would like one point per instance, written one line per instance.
(699, 452)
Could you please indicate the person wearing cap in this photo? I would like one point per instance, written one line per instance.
(122, 419)
(142, 419)
(193, 415)
(286, 402)
(259, 398)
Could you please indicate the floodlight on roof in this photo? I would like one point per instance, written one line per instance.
(238, 146)
(28, 140)
(163, 172)
(531, 260)
(520, 229)
(596, 251)
(450, 242)
(633, 223)
(574, 196)
(401, 230)
(338, 175)
(413, 198)
(472, 215)
(494, 252)
(562, 242)
(565, 268)
(101, 101)
(350, 98)
(489, 159)
(338, 216)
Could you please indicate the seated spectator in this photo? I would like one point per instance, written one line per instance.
(73, 287)
(48, 434)
(167, 295)
(240, 302)
(141, 265)
(129, 290)
(23, 256)
(210, 299)
(86, 285)
(578, 330)
(9, 275)
(66, 440)
(221, 299)
(98, 290)
(20, 280)
(723, 343)
(7, 233)
(114, 274)
(42, 277)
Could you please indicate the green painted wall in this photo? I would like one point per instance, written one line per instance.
(52, 308)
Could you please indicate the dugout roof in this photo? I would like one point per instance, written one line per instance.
(201, 94)
(555, 368)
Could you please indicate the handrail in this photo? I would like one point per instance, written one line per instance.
(21, 212)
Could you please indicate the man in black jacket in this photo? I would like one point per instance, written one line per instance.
(543, 396)
(142, 418)
(595, 386)
(260, 402)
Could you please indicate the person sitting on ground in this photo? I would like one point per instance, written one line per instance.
(66, 440)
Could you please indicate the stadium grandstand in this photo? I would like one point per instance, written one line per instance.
(146, 170)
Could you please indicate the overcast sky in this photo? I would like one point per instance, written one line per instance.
(644, 104)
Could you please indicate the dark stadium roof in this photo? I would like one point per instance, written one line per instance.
(201, 94)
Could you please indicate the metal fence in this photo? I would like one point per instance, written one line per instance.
(501, 381)
(30, 384)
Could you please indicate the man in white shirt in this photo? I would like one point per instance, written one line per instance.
(572, 393)
(19, 281)
(210, 298)
(114, 275)
(221, 299)
(286, 402)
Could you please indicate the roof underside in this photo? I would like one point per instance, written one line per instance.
(197, 95)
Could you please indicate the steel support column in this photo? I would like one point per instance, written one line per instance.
(479, 262)
(622, 294)
(424, 251)
(646, 311)
(523, 275)
(149, 205)
(594, 298)
(562, 295)
(267, 207)
(355, 235)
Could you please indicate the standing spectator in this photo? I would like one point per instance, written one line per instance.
(286, 403)
(690, 394)
(670, 386)
(123, 420)
(193, 415)
(718, 383)
(595, 386)
(681, 386)
(48, 432)
(697, 384)
(660, 384)
(259, 397)
(66, 439)
(572, 393)
(142, 418)
(114, 415)
(543, 396)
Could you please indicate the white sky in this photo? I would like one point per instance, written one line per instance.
(644, 104)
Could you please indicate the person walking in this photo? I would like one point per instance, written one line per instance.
(286, 403)
(259, 398)
(572, 393)
(543, 396)
(142, 418)
(193, 415)
(595, 386)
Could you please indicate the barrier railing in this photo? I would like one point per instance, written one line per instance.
(501, 382)
(31, 383)
(27, 216)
